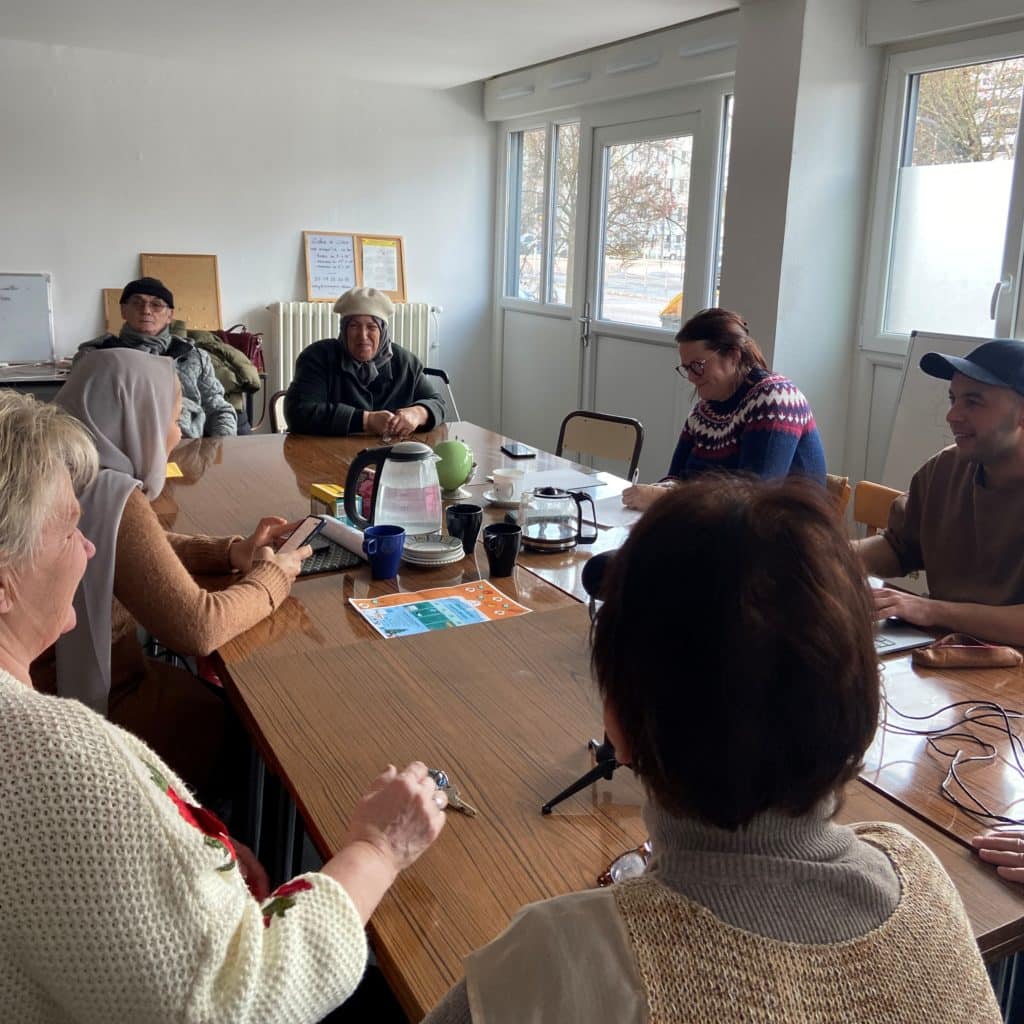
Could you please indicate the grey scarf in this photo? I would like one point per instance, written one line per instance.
(126, 399)
(365, 373)
(154, 344)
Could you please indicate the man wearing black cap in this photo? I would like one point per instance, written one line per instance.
(147, 307)
(962, 520)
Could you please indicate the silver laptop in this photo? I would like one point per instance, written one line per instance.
(31, 373)
(894, 635)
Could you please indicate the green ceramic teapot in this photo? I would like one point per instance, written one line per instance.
(454, 468)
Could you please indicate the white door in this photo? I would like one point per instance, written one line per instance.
(592, 299)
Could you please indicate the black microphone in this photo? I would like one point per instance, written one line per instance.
(593, 574)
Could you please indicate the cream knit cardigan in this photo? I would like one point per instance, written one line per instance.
(118, 905)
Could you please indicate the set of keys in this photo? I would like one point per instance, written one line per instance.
(455, 801)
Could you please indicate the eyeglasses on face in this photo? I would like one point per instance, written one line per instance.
(156, 305)
(631, 864)
(696, 368)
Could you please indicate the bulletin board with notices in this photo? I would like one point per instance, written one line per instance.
(339, 260)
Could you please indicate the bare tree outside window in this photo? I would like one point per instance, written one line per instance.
(567, 171)
(527, 198)
(647, 190)
(968, 114)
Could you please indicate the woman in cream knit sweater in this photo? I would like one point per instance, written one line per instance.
(734, 655)
(122, 899)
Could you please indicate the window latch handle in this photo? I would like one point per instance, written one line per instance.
(996, 291)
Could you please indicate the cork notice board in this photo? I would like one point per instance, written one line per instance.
(194, 280)
(339, 260)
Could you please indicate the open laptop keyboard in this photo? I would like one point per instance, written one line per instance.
(328, 557)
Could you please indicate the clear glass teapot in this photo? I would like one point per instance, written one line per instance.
(406, 492)
(552, 519)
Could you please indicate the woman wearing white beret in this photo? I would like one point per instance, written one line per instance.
(360, 382)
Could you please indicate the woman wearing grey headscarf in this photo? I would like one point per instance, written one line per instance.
(359, 382)
(130, 402)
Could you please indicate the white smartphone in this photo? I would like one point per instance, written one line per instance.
(302, 534)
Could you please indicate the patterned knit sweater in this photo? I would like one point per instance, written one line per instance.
(766, 428)
(121, 900)
(786, 920)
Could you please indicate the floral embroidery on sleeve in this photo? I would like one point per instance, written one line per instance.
(215, 832)
(283, 898)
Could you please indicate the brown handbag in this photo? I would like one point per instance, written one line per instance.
(961, 650)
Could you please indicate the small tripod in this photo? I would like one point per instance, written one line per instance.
(604, 765)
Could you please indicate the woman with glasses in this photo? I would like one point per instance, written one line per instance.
(747, 419)
(744, 704)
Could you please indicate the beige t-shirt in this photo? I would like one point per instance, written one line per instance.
(967, 535)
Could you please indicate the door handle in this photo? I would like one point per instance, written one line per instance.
(994, 301)
(585, 321)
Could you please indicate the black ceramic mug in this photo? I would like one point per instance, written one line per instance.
(464, 522)
(501, 543)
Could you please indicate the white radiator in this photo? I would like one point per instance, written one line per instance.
(294, 325)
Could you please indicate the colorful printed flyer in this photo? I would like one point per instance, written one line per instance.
(437, 608)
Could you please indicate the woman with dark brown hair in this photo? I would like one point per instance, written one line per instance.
(747, 419)
(734, 656)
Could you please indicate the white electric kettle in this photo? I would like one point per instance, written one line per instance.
(406, 491)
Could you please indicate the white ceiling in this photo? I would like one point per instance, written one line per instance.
(413, 42)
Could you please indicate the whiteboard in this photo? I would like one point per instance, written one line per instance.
(26, 319)
(919, 428)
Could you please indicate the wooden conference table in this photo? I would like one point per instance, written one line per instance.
(506, 709)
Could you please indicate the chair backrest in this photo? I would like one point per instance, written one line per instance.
(278, 423)
(839, 490)
(433, 371)
(604, 435)
(871, 504)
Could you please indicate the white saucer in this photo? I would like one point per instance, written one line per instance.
(426, 563)
(492, 499)
(431, 547)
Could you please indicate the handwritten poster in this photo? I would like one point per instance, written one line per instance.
(330, 265)
(380, 264)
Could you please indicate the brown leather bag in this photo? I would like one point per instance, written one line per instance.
(961, 650)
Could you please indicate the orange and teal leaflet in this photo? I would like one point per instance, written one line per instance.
(422, 611)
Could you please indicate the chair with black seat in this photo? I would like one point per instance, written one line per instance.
(603, 435)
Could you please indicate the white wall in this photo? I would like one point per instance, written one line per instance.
(799, 180)
(104, 156)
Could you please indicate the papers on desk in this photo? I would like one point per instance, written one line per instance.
(611, 512)
(422, 611)
(567, 479)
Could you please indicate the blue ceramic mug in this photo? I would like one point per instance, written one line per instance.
(383, 547)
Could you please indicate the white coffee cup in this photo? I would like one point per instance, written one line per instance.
(508, 484)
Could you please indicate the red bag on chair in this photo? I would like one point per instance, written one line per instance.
(249, 344)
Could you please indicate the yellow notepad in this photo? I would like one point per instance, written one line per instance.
(173, 472)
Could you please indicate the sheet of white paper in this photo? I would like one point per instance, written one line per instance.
(380, 264)
(611, 512)
(565, 478)
(332, 264)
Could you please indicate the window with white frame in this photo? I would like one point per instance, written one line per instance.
(541, 223)
(945, 251)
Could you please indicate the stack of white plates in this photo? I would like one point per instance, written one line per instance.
(432, 549)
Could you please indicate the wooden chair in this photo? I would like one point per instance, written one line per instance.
(871, 504)
(839, 490)
(278, 423)
(604, 435)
